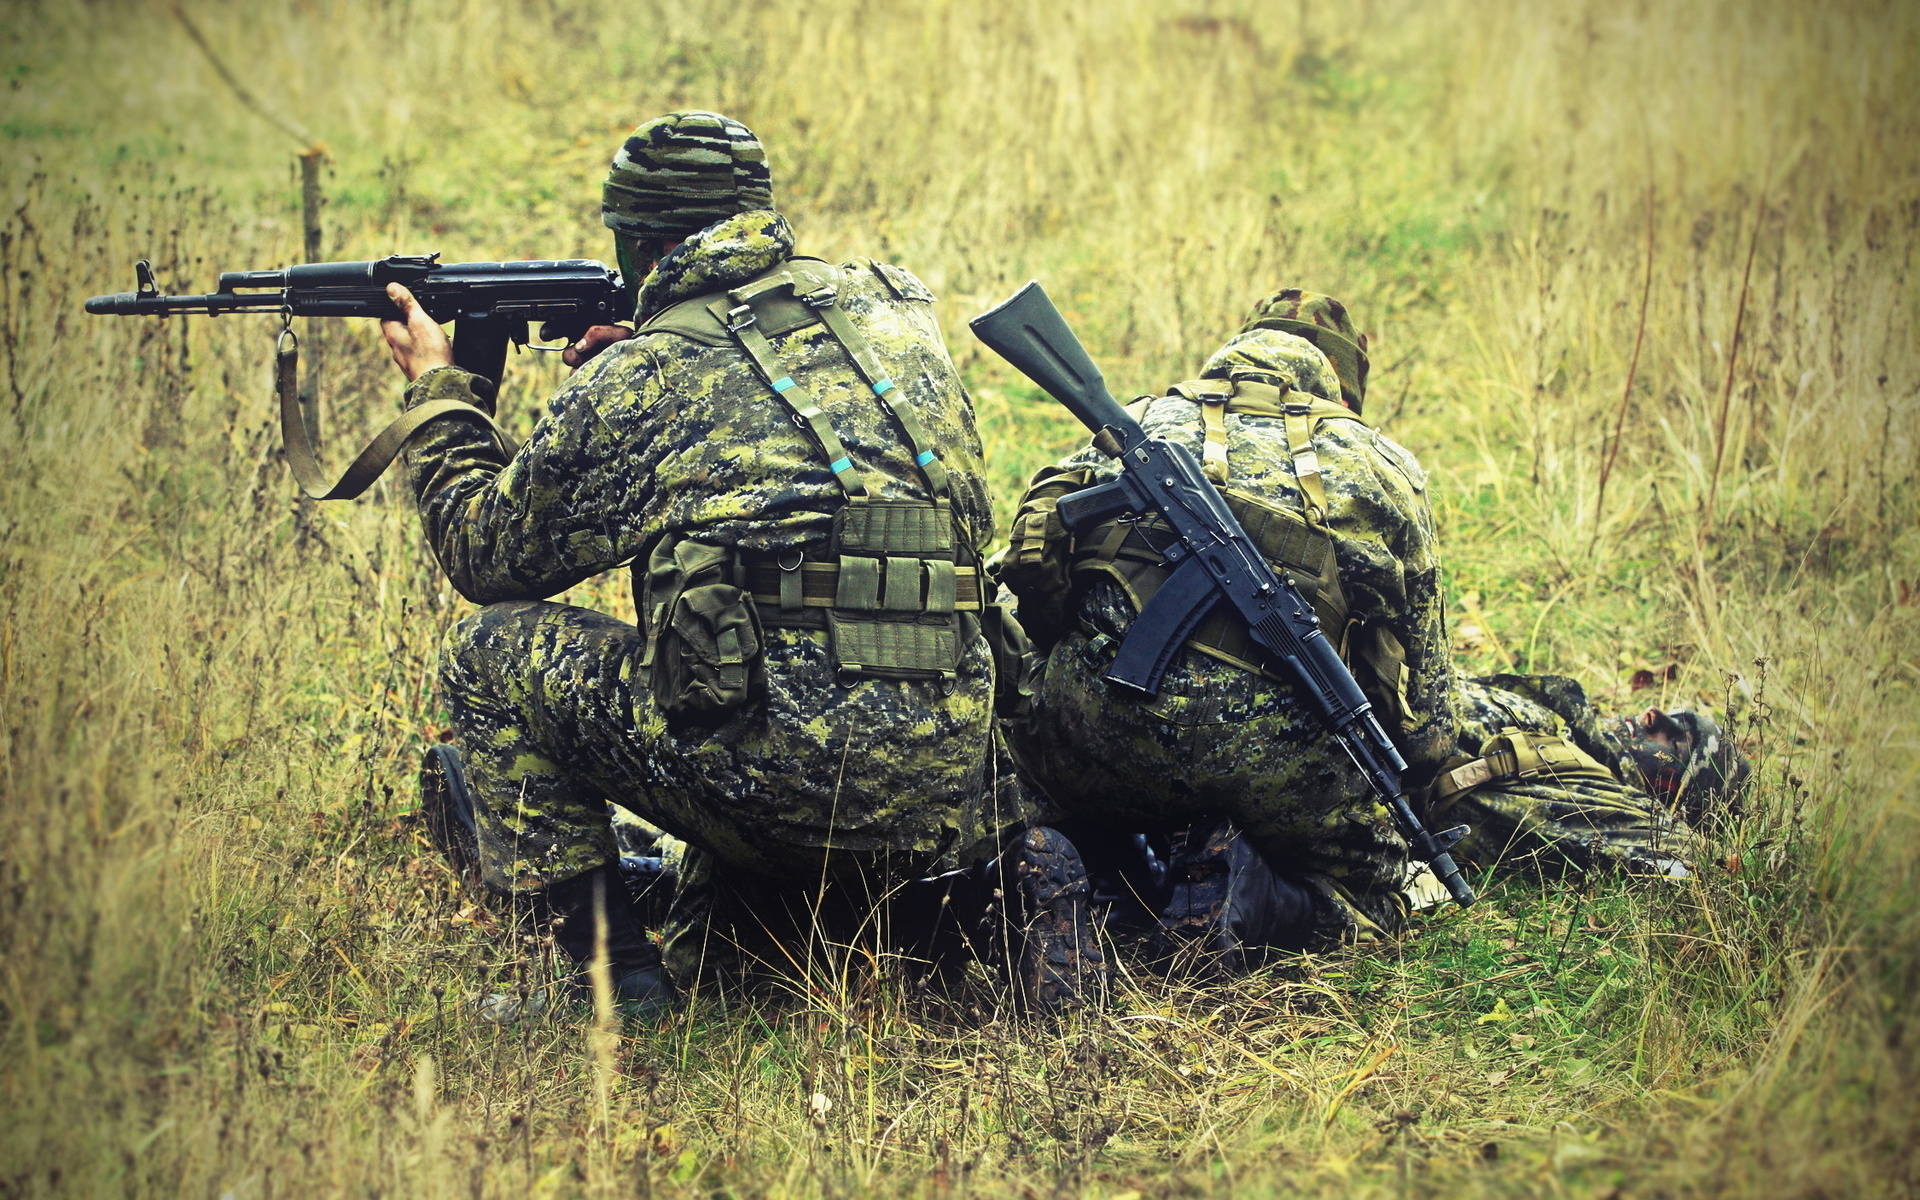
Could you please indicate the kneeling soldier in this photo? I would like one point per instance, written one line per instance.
(784, 453)
(1332, 503)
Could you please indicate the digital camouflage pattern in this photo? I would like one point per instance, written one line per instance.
(1548, 825)
(724, 254)
(1220, 741)
(1326, 323)
(677, 174)
(662, 437)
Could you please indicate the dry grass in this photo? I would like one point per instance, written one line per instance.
(226, 968)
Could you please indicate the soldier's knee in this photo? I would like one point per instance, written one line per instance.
(476, 644)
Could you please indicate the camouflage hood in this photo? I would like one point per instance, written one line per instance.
(1326, 323)
(1280, 358)
(724, 254)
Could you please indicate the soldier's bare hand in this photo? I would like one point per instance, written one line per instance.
(593, 342)
(416, 340)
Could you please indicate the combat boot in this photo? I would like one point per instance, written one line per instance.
(1058, 963)
(1225, 906)
(573, 907)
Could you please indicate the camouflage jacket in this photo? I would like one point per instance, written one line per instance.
(660, 435)
(1377, 514)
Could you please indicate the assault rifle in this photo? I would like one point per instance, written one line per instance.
(1214, 562)
(490, 304)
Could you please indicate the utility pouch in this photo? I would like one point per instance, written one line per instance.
(704, 638)
(1014, 661)
(1384, 676)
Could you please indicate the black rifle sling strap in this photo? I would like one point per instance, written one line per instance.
(379, 453)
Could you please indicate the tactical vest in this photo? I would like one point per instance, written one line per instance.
(1296, 544)
(896, 586)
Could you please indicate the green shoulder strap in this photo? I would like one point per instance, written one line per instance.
(892, 400)
(743, 323)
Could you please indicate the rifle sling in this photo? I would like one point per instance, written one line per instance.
(379, 453)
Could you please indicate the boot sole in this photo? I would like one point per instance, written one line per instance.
(1061, 964)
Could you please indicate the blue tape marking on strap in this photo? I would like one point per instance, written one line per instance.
(784, 384)
(924, 457)
(840, 464)
(883, 387)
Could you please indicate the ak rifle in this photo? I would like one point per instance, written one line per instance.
(1213, 562)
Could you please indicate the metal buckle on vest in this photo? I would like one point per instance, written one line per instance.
(1295, 408)
(820, 297)
(780, 560)
(739, 317)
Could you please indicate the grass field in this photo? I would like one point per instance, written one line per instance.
(1640, 279)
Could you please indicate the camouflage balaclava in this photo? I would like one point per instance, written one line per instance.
(675, 175)
(1283, 357)
(1685, 759)
(1323, 321)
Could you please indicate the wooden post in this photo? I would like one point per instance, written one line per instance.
(311, 201)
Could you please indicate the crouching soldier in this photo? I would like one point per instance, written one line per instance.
(1274, 419)
(1220, 813)
(784, 453)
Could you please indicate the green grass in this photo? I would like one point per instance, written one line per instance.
(229, 964)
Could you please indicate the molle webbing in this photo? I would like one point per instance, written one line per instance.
(897, 591)
(1130, 553)
(926, 588)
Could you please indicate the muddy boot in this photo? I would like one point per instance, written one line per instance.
(1226, 906)
(1058, 963)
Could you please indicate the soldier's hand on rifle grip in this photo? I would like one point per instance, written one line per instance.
(417, 341)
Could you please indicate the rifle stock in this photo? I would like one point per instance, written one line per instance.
(1029, 332)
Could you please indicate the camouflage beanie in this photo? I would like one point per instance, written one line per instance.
(1323, 321)
(1282, 357)
(675, 175)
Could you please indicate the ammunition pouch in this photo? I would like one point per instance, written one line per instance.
(888, 589)
(703, 648)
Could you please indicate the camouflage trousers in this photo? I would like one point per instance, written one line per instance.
(880, 780)
(1216, 742)
(1552, 823)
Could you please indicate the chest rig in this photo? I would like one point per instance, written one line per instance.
(1296, 543)
(895, 587)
